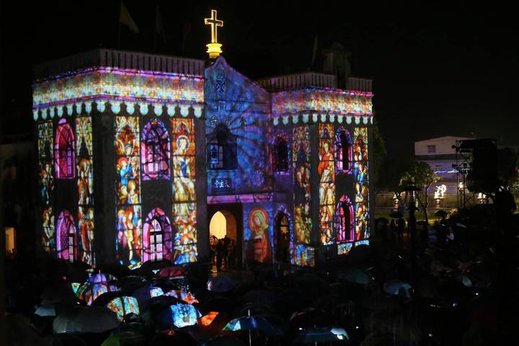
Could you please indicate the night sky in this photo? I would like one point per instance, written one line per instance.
(448, 68)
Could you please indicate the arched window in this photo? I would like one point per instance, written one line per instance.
(155, 151)
(156, 236)
(66, 242)
(222, 149)
(280, 155)
(64, 151)
(343, 151)
(282, 234)
(344, 221)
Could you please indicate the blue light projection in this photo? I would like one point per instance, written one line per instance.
(238, 104)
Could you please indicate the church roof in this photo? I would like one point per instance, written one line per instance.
(119, 59)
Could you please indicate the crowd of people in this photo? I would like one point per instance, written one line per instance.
(223, 253)
(433, 285)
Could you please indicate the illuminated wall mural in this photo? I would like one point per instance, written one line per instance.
(118, 85)
(184, 194)
(155, 151)
(326, 171)
(85, 188)
(258, 161)
(156, 239)
(64, 151)
(66, 239)
(333, 100)
(360, 174)
(237, 130)
(344, 225)
(301, 164)
(343, 151)
(129, 215)
(46, 184)
(300, 253)
(259, 229)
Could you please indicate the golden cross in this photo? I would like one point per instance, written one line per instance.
(215, 23)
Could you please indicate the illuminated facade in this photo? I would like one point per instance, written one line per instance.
(137, 153)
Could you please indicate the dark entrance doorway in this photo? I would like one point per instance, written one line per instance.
(282, 234)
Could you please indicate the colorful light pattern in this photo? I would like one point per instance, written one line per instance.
(344, 249)
(123, 306)
(155, 151)
(343, 152)
(259, 241)
(184, 194)
(326, 171)
(303, 255)
(129, 215)
(156, 236)
(324, 100)
(344, 222)
(46, 183)
(85, 186)
(66, 240)
(302, 199)
(64, 151)
(118, 85)
(184, 315)
(360, 176)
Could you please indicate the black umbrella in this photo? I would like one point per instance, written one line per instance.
(96, 319)
(315, 335)
(224, 340)
(309, 318)
(253, 323)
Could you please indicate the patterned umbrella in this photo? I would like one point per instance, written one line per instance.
(123, 306)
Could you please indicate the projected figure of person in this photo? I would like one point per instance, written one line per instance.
(259, 246)
(183, 182)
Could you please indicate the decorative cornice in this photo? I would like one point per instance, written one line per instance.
(314, 117)
(97, 88)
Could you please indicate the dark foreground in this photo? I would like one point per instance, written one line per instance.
(442, 285)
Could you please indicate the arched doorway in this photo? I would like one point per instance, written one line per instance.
(223, 224)
(282, 234)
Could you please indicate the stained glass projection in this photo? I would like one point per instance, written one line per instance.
(303, 255)
(259, 242)
(301, 164)
(46, 184)
(86, 234)
(326, 171)
(156, 240)
(360, 172)
(129, 216)
(155, 151)
(64, 151)
(66, 240)
(85, 186)
(343, 151)
(344, 223)
(184, 196)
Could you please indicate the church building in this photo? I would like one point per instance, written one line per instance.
(143, 157)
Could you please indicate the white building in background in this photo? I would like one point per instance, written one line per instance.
(440, 154)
